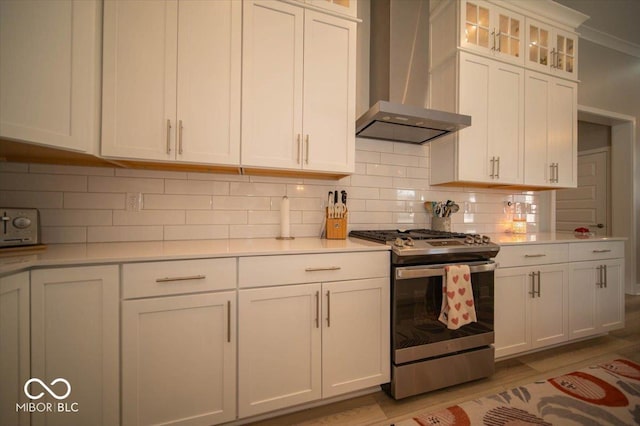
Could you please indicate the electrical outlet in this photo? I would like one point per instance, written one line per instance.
(134, 201)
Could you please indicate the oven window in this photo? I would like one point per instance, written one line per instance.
(416, 308)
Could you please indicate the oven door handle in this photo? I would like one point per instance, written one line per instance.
(409, 272)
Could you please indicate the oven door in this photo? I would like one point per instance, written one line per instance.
(417, 333)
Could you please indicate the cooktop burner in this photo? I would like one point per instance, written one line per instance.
(428, 245)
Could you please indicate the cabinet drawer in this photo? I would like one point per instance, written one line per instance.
(177, 277)
(596, 250)
(260, 271)
(532, 254)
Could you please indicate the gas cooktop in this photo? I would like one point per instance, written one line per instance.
(436, 245)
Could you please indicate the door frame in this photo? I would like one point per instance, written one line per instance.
(623, 155)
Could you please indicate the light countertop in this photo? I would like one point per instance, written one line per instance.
(546, 238)
(123, 252)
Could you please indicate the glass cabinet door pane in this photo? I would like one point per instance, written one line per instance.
(544, 38)
(483, 37)
(560, 44)
(503, 25)
(544, 56)
(515, 28)
(534, 33)
(483, 17)
(470, 33)
(569, 65)
(515, 47)
(570, 47)
(533, 53)
(472, 13)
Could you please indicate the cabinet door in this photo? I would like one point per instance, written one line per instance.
(476, 30)
(506, 123)
(329, 93)
(610, 298)
(208, 102)
(75, 336)
(179, 359)
(566, 54)
(14, 356)
(355, 336)
(538, 88)
(550, 306)
(279, 349)
(583, 293)
(473, 141)
(139, 79)
(563, 132)
(49, 72)
(272, 50)
(513, 288)
(509, 40)
(539, 42)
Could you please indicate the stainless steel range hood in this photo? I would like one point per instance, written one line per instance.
(398, 72)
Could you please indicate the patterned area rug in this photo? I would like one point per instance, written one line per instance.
(606, 394)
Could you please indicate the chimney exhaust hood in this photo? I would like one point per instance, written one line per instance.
(399, 77)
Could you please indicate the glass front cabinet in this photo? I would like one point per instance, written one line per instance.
(551, 50)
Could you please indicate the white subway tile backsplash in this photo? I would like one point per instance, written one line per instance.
(387, 190)
(84, 200)
(216, 217)
(196, 232)
(41, 182)
(125, 184)
(148, 217)
(175, 202)
(64, 234)
(31, 199)
(195, 187)
(65, 217)
(104, 234)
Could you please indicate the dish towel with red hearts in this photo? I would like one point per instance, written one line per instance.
(457, 297)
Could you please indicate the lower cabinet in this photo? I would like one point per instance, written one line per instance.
(531, 307)
(15, 347)
(75, 336)
(178, 359)
(596, 297)
(300, 343)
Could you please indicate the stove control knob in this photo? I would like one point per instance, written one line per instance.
(468, 239)
(486, 239)
(409, 242)
(477, 239)
(398, 242)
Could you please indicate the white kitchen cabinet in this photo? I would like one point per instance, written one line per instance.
(179, 342)
(551, 131)
(491, 30)
(551, 50)
(490, 151)
(15, 355)
(50, 73)
(596, 297)
(311, 328)
(75, 336)
(179, 359)
(298, 89)
(531, 308)
(171, 81)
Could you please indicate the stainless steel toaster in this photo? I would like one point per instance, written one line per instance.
(19, 227)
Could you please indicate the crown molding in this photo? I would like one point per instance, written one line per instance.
(607, 40)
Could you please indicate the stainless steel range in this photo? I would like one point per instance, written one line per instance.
(425, 354)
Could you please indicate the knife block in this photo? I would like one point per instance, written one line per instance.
(336, 227)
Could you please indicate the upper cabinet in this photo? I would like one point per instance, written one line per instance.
(298, 89)
(523, 111)
(50, 73)
(491, 30)
(171, 81)
(551, 50)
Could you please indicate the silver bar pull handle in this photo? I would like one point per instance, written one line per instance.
(185, 278)
(599, 282)
(180, 137)
(327, 268)
(538, 274)
(602, 251)
(493, 36)
(498, 172)
(499, 43)
(168, 136)
(604, 275)
(229, 321)
(410, 272)
(299, 142)
(533, 284)
(306, 155)
(535, 255)
(317, 309)
(328, 308)
(493, 167)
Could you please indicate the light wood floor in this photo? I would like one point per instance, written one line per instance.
(379, 409)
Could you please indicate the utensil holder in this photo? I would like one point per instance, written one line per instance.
(337, 227)
(441, 223)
